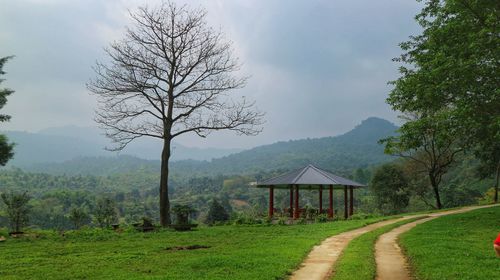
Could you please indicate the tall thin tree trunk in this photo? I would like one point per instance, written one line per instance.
(496, 183)
(164, 200)
(435, 188)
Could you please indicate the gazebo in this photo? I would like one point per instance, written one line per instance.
(311, 178)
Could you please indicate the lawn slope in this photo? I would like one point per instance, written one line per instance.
(236, 252)
(455, 247)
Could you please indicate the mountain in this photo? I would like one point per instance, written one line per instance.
(59, 144)
(356, 148)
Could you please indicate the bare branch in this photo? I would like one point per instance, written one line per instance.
(170, 75)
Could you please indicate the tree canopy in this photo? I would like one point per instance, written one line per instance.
(450, 80)
(6, 148)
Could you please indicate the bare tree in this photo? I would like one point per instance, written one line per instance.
(170, 75)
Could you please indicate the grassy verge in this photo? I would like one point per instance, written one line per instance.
(358, 259)
(455, 247)
(236, 252)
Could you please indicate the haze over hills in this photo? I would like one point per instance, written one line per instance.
(356, 148)
(59, 144)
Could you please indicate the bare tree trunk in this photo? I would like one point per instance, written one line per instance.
(495, 200)
(435, 188)
(164, 200)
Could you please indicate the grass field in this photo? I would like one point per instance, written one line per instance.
(455, 247)
(236, 252)
(358, 260)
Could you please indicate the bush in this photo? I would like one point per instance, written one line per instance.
(322, 218)
(301, 221)
(79, 216)
(282, 220)
(241, 218)
(182, 213)
(390, 187)
(105, 212)
(216, 213)
(17, 209)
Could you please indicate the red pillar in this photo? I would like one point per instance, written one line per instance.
(291, 201)
(271, 201)
(296, 212)
(330, 209)
(345, 203)
(351, 201)
(320, 199)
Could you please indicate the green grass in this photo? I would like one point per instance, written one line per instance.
(358, 259)
(455, 247)
(237, 252)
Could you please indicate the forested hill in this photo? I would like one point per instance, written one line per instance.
(356, 148)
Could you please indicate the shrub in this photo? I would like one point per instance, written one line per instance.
(216, 213)
(182, 213)
(322, 218)
(79, 216)
(17, 209)
(105, 212)
(390, 187)
(282, 220)
(301, 221)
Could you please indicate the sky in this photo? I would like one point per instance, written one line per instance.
(317, 67)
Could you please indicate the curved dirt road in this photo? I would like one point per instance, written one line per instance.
(390, 260)
(319, 263)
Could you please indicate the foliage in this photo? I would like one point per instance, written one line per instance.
(321, 218)
(105, 212)
(450, 75)
(79, 216)
(467, 237)
(182, 213)
(6, 148)
(17, 209)
(390, 187)
(216, 213)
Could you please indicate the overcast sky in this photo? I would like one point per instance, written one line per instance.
(318, 67)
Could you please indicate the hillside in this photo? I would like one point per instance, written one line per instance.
(354, 149)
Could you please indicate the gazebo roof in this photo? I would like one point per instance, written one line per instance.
(310, 177)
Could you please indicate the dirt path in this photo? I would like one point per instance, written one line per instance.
(391, 262)
(319, 263)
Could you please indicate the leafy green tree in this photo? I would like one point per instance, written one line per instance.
(79, 216)
(453, 65)
(105, 212)
(17, 209)
(216, 213)
(361, 175)
(6, 148)
(390, 187)
(428, 140)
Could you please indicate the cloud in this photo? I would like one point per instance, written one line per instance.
(317, 67)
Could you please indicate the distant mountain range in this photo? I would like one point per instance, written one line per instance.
(56, 153)
(67, 143)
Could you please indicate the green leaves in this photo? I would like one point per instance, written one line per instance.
(6, 148)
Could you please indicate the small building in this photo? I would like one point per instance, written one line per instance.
(311, 178)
